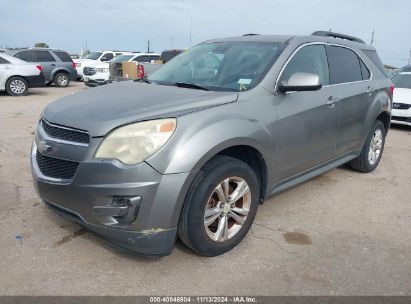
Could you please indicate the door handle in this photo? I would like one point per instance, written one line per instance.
(369, 90)
(331, 101)
(7, 68)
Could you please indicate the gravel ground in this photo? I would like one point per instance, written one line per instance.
(343, 233)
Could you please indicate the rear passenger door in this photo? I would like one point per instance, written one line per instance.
(47, 62)
(352, 78)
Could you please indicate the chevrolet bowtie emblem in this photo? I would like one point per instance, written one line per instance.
(43, 146)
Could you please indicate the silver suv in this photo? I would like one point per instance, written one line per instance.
(192, 150)
(57, 65)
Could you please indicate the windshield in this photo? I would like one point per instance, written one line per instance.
(94, 55)
(402, 81)
(122, 58)
(221, 66)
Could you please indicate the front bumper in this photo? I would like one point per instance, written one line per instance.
(96, 184)
(402, 117)
(94, 82)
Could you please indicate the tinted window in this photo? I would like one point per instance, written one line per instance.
(344, 65)
(43, 56)
(107, 56)
(402, 81)
(168, 55)
(376, 60)
(94, 55)
(63, 56)
(2, 60)
(154, 57)
(122, 58)
(406, 69)
(26, 56)
(142, 59)
(310, 59)
(366, 74)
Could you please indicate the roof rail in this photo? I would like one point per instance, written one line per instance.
(337, 35)
(251, 34)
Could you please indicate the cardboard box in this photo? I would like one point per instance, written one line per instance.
(130, 70)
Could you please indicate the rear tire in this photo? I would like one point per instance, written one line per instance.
(61, 79)
(372, 150)
(17, 86)
(220, 206)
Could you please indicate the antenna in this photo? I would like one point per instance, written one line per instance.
(148, 46)
(372, 38)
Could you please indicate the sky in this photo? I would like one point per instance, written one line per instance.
(128, 24)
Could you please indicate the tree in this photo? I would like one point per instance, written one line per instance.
(41, 45)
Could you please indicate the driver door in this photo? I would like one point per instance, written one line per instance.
(307, 121)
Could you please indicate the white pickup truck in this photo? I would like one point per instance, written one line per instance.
(146, 64)
(92, 58)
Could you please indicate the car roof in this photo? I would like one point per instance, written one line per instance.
(33, 49)
(295, 39)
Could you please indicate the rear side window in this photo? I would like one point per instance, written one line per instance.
(44, 56)
(310, 59)
(25, 55)
(402, 81)
(376, 60)
(366, 74)
(344, 65)
(3, 61)
(63, 56)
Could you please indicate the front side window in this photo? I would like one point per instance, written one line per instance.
(310, 59)
(94, 55)
(142, 59)
(221, 66)
(344, 65)
(3, 61)
(107, 57)
(402, 81)
(25, 55)
(43, 56)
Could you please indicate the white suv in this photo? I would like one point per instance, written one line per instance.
(16, 75)
(94, 57)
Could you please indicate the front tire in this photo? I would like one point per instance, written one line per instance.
(372, 150)
(61, 79)
(220, 206)
(17, 86)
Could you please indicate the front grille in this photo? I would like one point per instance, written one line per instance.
(401, 106)
(56, 168)
(65, 133)
(400, 118)
(89, 71)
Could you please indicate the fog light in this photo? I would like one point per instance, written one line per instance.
(123, 209)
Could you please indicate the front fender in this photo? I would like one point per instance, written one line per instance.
(201, 135)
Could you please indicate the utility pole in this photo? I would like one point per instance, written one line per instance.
(409, 59)
(148, 46)
(191, 27)
(372, 38)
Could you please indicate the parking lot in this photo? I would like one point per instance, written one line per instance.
(343, 233)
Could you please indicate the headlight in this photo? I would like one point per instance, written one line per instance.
(102, 70)
(133, 143)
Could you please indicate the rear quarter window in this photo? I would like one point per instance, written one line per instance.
(63, 56)
(3, 61)
(376, 60)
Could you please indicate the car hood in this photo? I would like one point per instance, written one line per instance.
(96, 64)
(402, 95)
(101, 109)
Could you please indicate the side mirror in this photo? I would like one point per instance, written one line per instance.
(104, 59)
(301, 82)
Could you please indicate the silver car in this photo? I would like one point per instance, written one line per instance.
(57, 66)
(192, 150)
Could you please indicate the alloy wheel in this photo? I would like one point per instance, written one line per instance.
(375, 147)
(62, 80)
(17, 87)
(227, 209)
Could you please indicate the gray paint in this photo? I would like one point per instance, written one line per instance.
(298, 135)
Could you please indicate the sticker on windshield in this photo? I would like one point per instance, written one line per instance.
(244, 81)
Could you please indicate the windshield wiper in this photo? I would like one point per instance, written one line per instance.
(142, 79)
(190, 85)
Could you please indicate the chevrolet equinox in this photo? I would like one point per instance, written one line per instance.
(193, 149)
